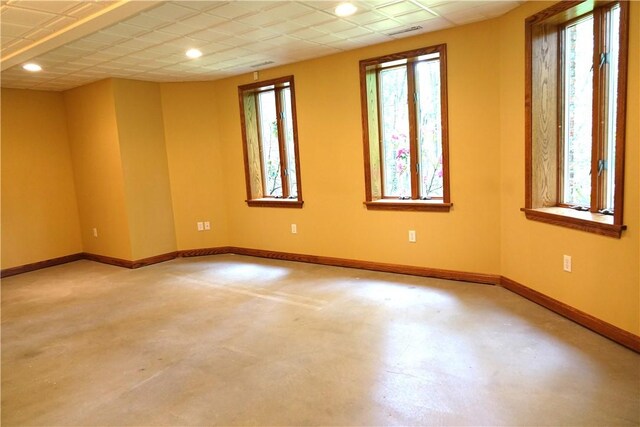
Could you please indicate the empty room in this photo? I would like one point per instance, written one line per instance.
(284, 213)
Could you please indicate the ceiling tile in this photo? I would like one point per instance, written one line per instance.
(233, 27)
(496, 8)
(69, 52)
(335, 26)
(381, 3)
(60, 21)
(181, 44)
(372, 38)
(146, 21)
(322, 4)
(26, 17)
(8, 29)
(19, 44)
(314, 18)
(208, 35)
(202, 20)
(383, 26)
(286, 27)
(162, 49)
(215, 47)
(400, 8)
(366, 17)
(104, 37)
(199, 5)
(124, 30)
(213, 59)
(38, 33)
(233, 35)
(179, 29)
(431, 3)
(235, 41)
(237, 52)
(435, 24)
(83, 9)
(170, 11)
(354, 32)
(454, 6)
(80, 63)
(345, 44)
(231, 10)
(97, 57)
(307, 33)
(156, 37)
(88, 45)
(262, 19)
(136, 44)
(262, 5)
(290, 10)
(259, 34)
(280, 41)
(118, 50)
(58, 7)
(125, 61)
(413, 17)
(328, 39)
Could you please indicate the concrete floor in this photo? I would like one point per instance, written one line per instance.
(230, 340)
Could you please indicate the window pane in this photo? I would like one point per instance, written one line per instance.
(429, 128)
(288, 143)
(269, 144)
(611, 108)
(395, 132)
(578, 93)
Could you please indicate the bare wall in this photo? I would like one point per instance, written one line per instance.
(39, 209)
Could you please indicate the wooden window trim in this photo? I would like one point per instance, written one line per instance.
(560, 214)
(271, 202)
(578, 220)
(432, 205)
(259, 200)
(441, 204)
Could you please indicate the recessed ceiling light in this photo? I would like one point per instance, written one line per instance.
(33, 67)
(345, 9)
(194, 53)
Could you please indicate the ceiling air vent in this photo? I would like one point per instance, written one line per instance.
(261, 64)
(405, 30)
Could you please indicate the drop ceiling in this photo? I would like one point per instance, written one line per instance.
(77, 42)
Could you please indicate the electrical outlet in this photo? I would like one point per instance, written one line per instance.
(200, 226)
(412, 236)
(95, 232)
(207, 225)
(566, 266)
(294, 229)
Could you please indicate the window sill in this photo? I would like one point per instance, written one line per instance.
(408, 205)
(275, 203)
(585, 221)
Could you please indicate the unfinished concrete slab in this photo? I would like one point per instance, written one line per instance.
(231, 340)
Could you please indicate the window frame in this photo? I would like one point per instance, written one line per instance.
(543, 197)
(374, 198)
(260, 200)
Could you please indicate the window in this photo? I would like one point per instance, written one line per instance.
(404, 107)
(269, 133)
(575, 115)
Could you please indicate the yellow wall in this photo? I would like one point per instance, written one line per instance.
(115, 127)
(196, 165)
(95, 152)
(605, 281)
(39, 210)
(144, 165)
(334, 221)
